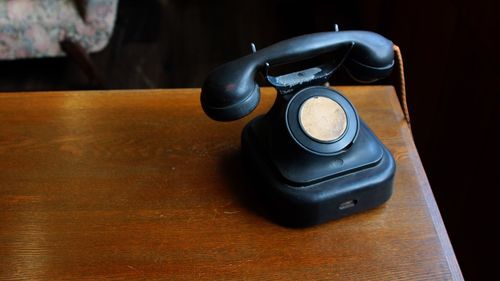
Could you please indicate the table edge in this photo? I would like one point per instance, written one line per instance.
(433, 209)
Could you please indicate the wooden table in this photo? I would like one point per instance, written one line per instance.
(142, 185)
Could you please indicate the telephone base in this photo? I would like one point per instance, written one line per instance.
(299, 204)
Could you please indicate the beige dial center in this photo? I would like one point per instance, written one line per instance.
(322, 119)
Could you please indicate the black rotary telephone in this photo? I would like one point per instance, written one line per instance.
(311, 155)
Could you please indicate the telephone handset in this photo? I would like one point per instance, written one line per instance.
(313, 158)
(230, 92)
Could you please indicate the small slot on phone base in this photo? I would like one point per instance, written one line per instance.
(348, 204)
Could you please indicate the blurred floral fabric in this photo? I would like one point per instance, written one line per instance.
(34, 28)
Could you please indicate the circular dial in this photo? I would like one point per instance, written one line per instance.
(322, 119)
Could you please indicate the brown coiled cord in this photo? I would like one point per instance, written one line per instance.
(402, 84)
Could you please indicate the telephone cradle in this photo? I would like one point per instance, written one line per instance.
(311, 158)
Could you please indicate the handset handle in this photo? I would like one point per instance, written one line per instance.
(230, 91)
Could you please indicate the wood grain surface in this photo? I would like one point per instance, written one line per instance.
(142, 185)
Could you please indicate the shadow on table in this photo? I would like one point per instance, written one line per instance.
(250, 193)
(241, 184)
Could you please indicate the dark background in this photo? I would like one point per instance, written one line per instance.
(451, 62)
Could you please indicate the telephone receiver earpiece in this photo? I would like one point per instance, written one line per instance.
(231, 92)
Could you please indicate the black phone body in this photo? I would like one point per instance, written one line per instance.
(311, 157)
(300, 188)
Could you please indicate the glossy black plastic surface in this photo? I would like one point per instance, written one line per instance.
(230, 91)
(307, 192)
